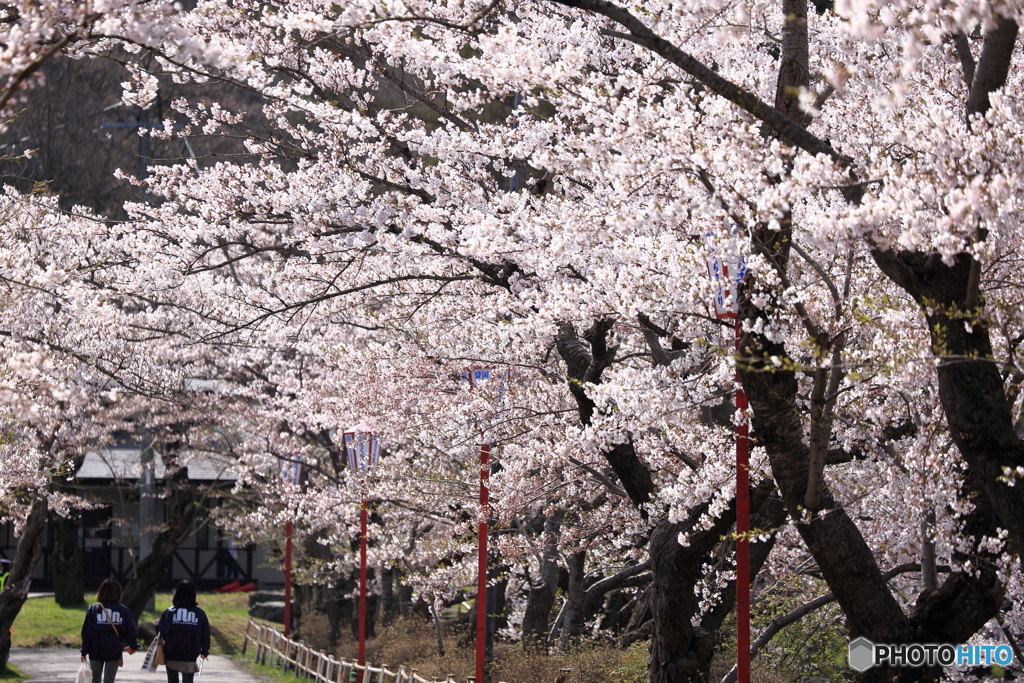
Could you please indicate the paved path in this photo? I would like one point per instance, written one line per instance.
(47, 665)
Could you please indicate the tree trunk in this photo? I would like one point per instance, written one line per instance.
(497, 616)
(405, 593)
(971, 388)
(542, 595)
(371, 605)
(436, 617)
(680, 651)
(30, 543)
(769, 516)
(388, 596)
(338, 608)
(66, 561)
(346, 608)
(576, 596)
(152, 568)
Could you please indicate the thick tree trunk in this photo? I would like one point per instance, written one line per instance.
(542, 595)
(405, 593)
(372, 603)
(845, 560)
(30, 544)
(338, 607)
(497, 585)
(769, 516)
(970, 386)
(345, 610)
(66, 561)
(152, 568)
(388, 596)
(575, 598)
(680, 652)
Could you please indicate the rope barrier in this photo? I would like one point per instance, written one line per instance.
(271, 648)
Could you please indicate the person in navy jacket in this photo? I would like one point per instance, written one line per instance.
(108, 626)
(186, 633)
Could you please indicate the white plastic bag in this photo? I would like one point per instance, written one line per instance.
(149, 662)
(84, 673)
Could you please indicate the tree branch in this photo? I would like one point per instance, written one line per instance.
(23, 75)
(788, 129)
(600, 477)
(993, 66)
(963, 51)
(799, 613)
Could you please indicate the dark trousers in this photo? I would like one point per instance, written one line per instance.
(172, 677)
(104, 672)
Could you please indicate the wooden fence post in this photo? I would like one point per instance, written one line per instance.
(245, 641)
(272, 648)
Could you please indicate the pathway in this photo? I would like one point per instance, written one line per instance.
(46, 665)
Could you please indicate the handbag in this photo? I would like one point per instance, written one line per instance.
(84, 673)
(111, 622)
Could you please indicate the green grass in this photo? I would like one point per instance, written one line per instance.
(44, 623)
(11, 673)
(266, 673)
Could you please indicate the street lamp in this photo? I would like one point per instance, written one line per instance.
(291, 473)
(477, 378)
(727, 272)
(362, 445)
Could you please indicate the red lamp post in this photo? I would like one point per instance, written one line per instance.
(477, 377)
(362, 445)
(481, 572)
(726, 280)
(291, 472)
(742, 532)
(287, 578)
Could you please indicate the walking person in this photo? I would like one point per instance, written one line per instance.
(108, 632)
(186, 633)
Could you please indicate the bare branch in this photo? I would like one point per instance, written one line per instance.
(799, 613)
(600, 477)
(822, 274)
(23, 75)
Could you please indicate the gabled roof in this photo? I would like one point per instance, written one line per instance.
(123, 463)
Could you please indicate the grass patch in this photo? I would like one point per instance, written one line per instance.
(11, 673)
(264, 673)
(44, 623)
(229, 615)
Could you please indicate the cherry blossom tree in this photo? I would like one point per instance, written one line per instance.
(449, 184)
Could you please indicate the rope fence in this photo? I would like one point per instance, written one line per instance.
(271, 648)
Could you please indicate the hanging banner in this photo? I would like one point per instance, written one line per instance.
(290, 470)
(490, 379)
(727, 269)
